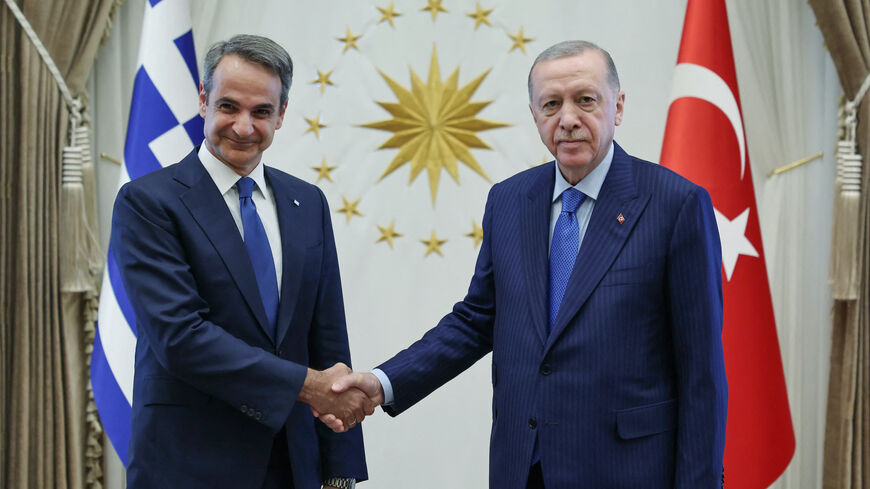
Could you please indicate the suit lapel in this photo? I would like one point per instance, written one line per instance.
(208, 208)
(604, 237)
(292, 255)
(534, 221)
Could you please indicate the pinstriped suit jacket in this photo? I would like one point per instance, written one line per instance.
(629, 389)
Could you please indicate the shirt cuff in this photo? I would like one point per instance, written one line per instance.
(385, 384)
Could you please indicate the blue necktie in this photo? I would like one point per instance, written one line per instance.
(563, 251)
(259, 251)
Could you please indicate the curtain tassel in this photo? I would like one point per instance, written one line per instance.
(844, 274)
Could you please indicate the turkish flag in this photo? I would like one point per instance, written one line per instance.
(705, 142)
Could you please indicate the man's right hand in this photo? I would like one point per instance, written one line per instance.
(344, 409)
(354, 382)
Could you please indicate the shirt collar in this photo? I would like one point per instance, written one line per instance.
(224, 177)
(591, 184)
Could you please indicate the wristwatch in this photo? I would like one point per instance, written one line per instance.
(341, 482)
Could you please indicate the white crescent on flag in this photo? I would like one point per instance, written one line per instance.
(691, 80)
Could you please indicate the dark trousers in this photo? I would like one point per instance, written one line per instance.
(279, 475)
(536, 478)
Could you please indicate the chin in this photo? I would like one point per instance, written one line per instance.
(573, 161)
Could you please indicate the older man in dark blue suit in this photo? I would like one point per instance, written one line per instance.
(231, 270)
(598, 290)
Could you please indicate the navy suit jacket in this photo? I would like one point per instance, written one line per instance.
(212, 387)
(629, 389)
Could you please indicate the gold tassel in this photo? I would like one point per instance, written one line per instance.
(843, 274)
(76, 273)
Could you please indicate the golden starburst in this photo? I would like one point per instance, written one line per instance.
(349, 208)
(476, 234)
(480, 16)
(434, 125)
(323, 80)
(314, 125)
(434, 6)
(388, 234)
(433, 244)
(388, 14)
(519, 40)
(323, 171)
(349, 40)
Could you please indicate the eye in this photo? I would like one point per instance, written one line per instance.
(225, 106)
(588, 100)
(263, 112)
(550, 105)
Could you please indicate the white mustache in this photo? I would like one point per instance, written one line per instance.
(572, 136)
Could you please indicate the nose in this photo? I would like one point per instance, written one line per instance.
(569, 118)
(243, 124)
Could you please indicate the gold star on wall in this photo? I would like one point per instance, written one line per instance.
(476, 234)
(519, 40)
(323, 170)
(314, 126)
(388, 234)
(480, 16)
(434, 125)
(349, 40)
(433, 244)
(349, 208)
(434, 6)
(323, 80)
(388, 14)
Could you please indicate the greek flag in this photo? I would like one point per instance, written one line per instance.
(164, 125)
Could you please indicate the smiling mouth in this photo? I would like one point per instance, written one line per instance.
(235, 142)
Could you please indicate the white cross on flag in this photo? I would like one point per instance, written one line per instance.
(705, 142)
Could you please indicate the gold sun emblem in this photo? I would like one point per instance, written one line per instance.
(434, 125)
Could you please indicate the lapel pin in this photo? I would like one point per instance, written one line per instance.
(296, 203)
(620, 218)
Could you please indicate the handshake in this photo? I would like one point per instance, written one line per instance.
(340, 397)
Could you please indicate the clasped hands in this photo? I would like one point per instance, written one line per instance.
(340, 397)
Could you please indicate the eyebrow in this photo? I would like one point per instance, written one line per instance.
(234, 102)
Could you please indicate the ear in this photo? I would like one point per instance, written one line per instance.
(281, 115)
(202, 100)
(620, 103)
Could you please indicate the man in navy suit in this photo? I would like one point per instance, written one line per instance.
(598, 289)
(231, 270)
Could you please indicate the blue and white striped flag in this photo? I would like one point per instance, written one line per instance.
(164, 125)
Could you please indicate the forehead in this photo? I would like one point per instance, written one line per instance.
(587, 69)
(237, 77)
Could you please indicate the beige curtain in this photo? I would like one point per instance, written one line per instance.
(50, 437)
(844, 25)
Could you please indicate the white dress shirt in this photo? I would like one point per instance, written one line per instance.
(225, 179)
(590, 186)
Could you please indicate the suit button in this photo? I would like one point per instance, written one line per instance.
(245, 408)
(533, 423)
(258, 415)
(545, 369)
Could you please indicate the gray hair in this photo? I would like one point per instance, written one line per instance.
(576, 48)
(254, 49)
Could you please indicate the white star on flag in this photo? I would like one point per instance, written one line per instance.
(732, 233)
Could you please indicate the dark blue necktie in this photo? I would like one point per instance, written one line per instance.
(259, 251)
(563, 251)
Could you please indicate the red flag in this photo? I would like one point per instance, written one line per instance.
(705, 142)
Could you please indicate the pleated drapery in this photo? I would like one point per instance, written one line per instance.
(844, 25)
(49, 262)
